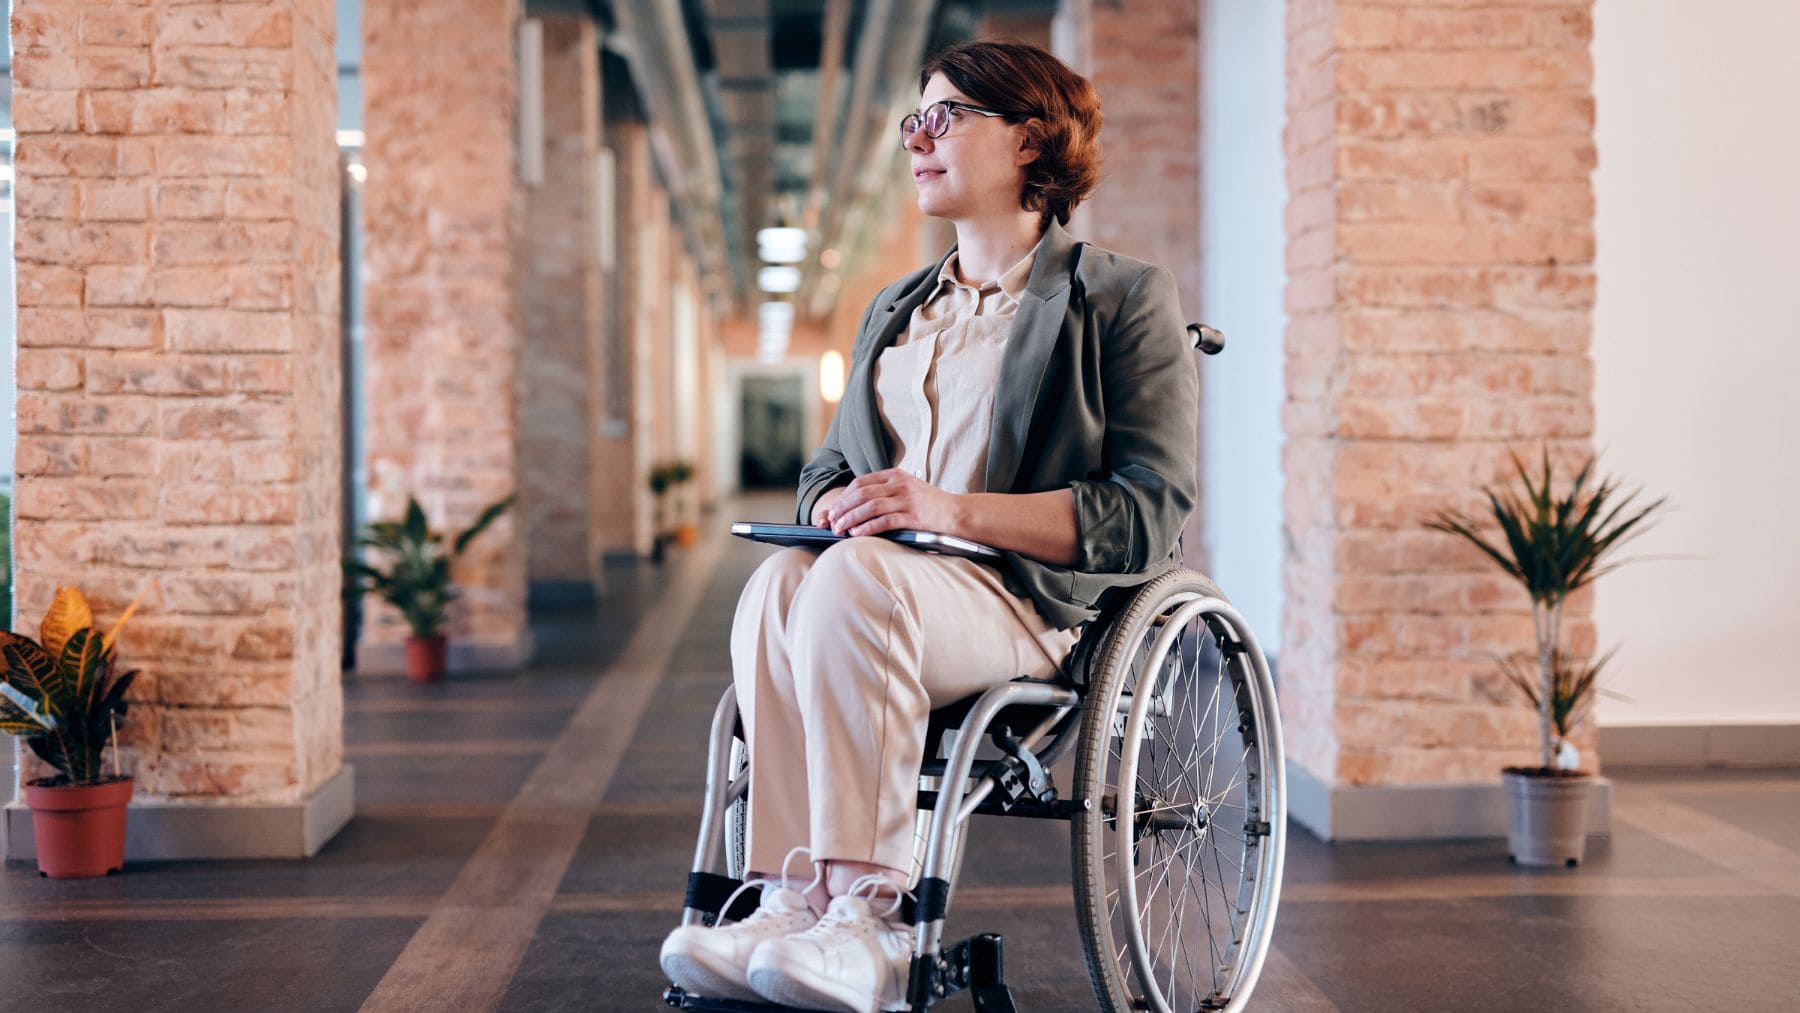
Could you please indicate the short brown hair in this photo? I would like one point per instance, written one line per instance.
(1057, 106)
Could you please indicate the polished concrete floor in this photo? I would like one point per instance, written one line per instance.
(521, 842)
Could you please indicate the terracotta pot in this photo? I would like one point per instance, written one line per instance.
(1546, 816)
(425, 658)
(80, 831)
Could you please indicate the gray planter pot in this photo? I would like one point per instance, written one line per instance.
(1546, 817)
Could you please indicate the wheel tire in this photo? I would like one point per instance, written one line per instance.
(1208, 785)
(737, 816)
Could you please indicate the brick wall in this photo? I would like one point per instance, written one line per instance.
(561, 305)
(1440, 250)
(442, 211)
(179, 367)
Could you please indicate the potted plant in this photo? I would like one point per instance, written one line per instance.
(59, 694)
(681, 472)
(417, 579)
(662, 479)
(1553, 546)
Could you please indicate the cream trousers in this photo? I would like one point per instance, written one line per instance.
(838, 657)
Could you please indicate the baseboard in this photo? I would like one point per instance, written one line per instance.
(381, 661)
(1771, 744)
(1421, 812)
(561, 594)
(162, 830)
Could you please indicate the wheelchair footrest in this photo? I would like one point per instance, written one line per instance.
(682, 1000)
(974, 965)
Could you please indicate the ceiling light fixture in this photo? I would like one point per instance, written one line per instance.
(781, 245)
(778, 279)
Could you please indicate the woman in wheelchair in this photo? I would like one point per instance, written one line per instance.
(1028, 392)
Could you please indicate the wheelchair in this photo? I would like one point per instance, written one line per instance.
(1177, 812)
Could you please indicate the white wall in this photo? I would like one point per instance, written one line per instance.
(1243, 190)
(1697, 352)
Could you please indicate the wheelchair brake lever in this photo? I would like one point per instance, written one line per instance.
(1036, 784)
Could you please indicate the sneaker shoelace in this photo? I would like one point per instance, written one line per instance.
(763, 884)
(873, 883)
(839, 917)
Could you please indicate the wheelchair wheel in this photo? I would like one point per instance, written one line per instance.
(1177, 865)
(737, 815)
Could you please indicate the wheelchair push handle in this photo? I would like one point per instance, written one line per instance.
(1210, 340)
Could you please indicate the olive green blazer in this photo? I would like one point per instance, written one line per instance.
(1098, 393)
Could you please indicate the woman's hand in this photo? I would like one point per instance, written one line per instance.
(889, 500)
(822, 505)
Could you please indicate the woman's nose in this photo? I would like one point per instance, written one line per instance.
(918, 141)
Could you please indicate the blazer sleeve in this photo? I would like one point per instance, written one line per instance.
(1130, 516)
(827, 470)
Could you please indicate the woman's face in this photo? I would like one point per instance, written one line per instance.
(976, 169)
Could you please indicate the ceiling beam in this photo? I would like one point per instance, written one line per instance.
(652, 35)
(889, 50)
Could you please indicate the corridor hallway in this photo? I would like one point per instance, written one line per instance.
(522, 837)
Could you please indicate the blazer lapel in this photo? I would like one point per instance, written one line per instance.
(1036, 327)
(888, 322)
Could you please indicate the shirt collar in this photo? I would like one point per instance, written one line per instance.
(1012, 283)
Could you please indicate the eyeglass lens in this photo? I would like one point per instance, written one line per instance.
(935, 120)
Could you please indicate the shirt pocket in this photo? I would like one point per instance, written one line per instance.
(971, 368)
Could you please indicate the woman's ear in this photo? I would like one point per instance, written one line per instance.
(1028, 150)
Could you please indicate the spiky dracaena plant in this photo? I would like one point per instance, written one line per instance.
(417, 579)
(58, 693)
(1572, 686)
(1554, 546)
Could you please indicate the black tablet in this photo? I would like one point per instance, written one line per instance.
(807, 535)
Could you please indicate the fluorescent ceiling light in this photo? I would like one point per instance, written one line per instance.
(778, 279)
(774, 314)
(781, 245)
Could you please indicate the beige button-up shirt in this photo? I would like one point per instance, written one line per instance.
(935, 384)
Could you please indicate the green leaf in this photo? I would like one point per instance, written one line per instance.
(21, 715)
(29, 667)
(80, 663)
(487, 517)
(416, 529)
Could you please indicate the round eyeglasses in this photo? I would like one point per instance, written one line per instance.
(935, 120)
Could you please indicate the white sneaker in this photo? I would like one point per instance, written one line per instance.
(853, 960)
(712, 961)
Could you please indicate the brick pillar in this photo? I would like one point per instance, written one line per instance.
(562, 314)
(621, 501)
(1440, 257)
(1143, 57)
(176, 234)
(656, 337)
(441, 215)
